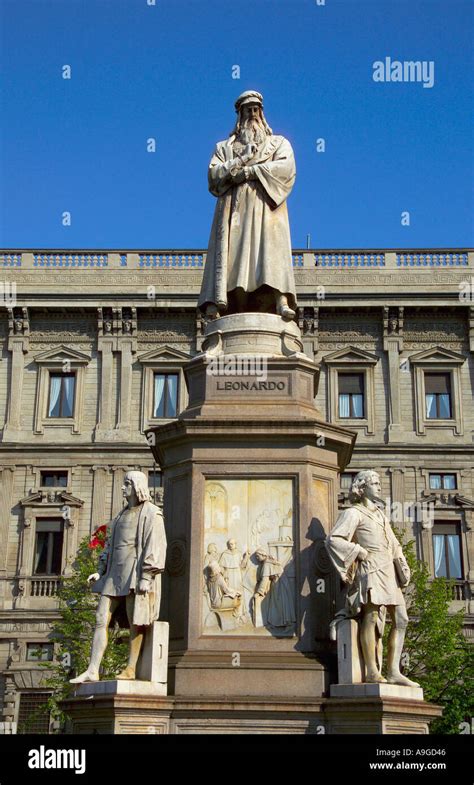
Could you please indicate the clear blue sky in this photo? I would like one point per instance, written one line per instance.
(165, 71)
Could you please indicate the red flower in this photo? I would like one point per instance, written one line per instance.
(98, 538)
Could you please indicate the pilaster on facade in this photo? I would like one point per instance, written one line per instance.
(117, 335)
(18, 344)
(117, 483)
(397, 495)
(393, 345)
(308, 322)
(100, 513)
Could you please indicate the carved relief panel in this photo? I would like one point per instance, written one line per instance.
(248, 571)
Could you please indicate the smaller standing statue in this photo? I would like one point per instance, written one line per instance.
(369, 559)
(130, 568)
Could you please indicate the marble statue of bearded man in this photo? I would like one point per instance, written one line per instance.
(249, 260)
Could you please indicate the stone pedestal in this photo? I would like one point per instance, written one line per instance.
(250, 459)
(153, 662)
(350, 662)
(250, 492)
(378, 708)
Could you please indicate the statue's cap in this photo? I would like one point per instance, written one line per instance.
(249, 97)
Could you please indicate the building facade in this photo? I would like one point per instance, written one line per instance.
(93, 349)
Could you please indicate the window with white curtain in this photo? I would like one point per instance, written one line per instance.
(346, 480)
(61, 394)
(438, 396)
(351, 395)
(447, 551)
(165, 395)
(443, 481)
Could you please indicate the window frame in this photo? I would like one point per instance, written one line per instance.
(54, 472)
(50, 547)
(352, 360)
(165, 360)
(52, 362)
(451, 528)
(351, 415)
(41, 644)
(166, 375)
(442, 475)
(61, 375)
(437, 396)
(438, 360)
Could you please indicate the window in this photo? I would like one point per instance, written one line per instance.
(155, 481)
(165, 397)
(346, 480)
(39, 652)
(447, 551)
(48, 546)
(351, 395)
(438, 396)
(32, 718)
(443, 481)
(61, 394)
(54, 479)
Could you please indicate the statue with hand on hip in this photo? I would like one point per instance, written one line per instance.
(369, 559)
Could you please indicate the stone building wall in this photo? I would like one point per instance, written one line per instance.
(117, 323)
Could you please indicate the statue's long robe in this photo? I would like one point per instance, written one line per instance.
(250, 243)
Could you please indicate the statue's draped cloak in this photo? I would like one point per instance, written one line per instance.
(149, 564)
(374, 579)
(250, 243)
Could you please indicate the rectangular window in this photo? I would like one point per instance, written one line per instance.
(61, 394)
(39, 652)
(155, 481)
(438, 396)
(447, 551)
(32, 716)
(48, 546)
(346, 480)
(165, 395)
(351, 395)
(53, 479)
(443, 481)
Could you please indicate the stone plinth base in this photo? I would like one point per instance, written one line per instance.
(148, 714)
(121, 712)
(121, 687)
(153, 662)
(378, 708)
(375, 691)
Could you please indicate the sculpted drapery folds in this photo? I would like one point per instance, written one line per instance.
(129, 572)
(370, 561)
(249, 259)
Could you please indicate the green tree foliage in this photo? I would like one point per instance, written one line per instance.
(436, 652)
(72, 633)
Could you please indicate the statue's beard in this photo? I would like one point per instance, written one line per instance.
(251, 131)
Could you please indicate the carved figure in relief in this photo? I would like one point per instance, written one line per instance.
(130, 568)
(232, 563)
(272, 603)
(221, 595)
(369, 559)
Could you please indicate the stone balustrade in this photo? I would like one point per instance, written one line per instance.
(194, 259)
(44, 587)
